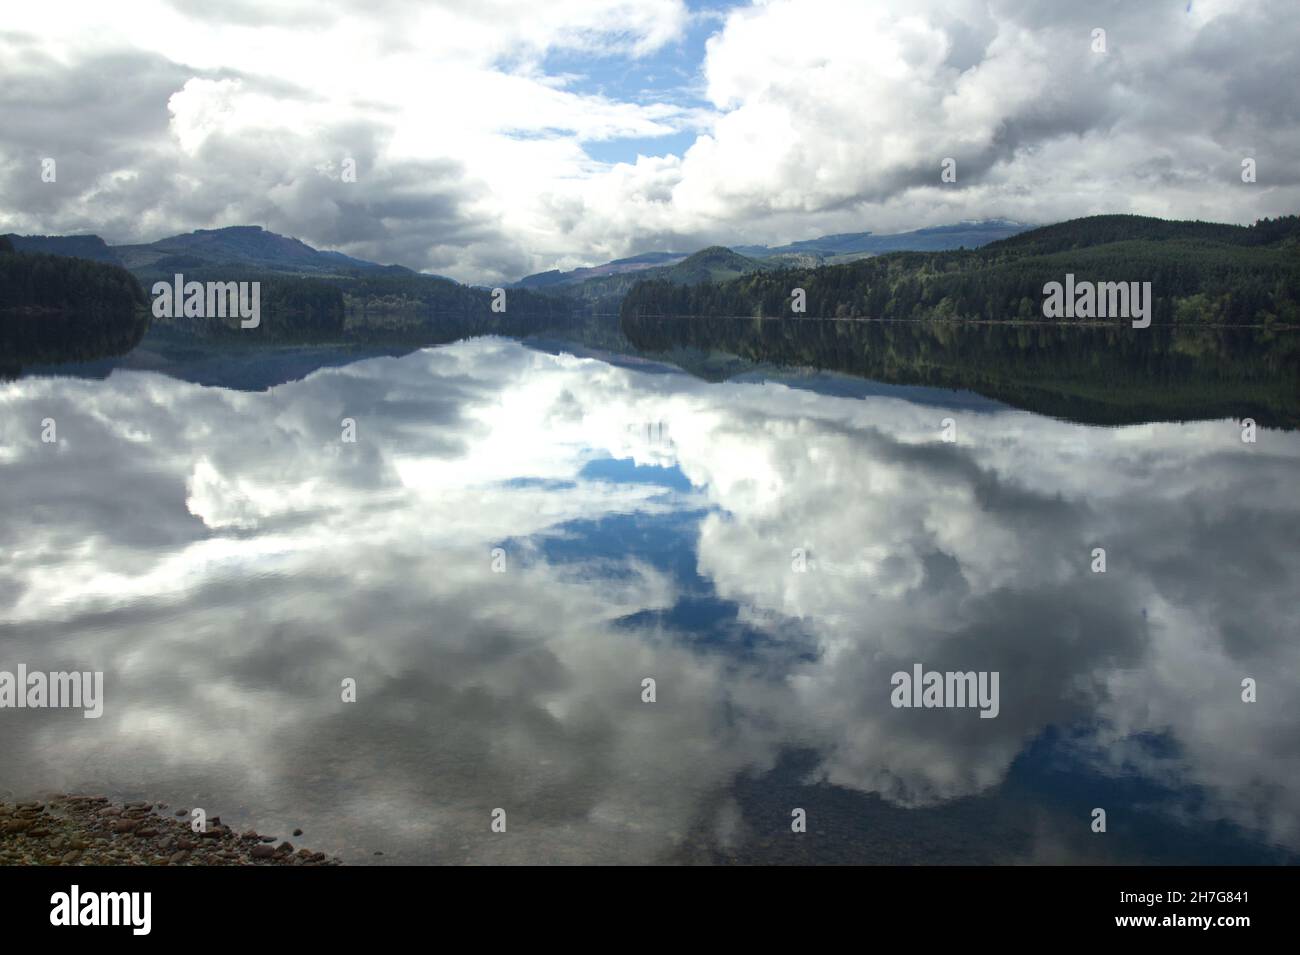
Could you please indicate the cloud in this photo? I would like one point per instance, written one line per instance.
(835, 117)
(808, 117)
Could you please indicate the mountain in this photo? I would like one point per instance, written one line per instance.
(827, 250)
(714, 264)
(305, 292)
(1223, 303)
(970, 235)
(64, 308)
(246, 248)
(1198, 273)
(42, 282)
(635, 263)
(90, 247)
(1100, 230)
(252, 248)
(604, 292)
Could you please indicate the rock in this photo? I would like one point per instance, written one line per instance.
(89, 830)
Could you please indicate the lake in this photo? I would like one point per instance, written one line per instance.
(518, 538)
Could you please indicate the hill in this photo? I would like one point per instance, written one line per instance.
(1100, 230)
(57, 308)
(39, 282)
(968, 235)
(1206, 273)
(714, 264)
(243, 247)
(602, 294)
(634, 263)
(90, 247)
(826, 250)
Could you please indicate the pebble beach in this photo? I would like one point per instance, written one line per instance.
(92, 830)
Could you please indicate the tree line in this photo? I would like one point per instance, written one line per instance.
(1201, 273)
(36, 281)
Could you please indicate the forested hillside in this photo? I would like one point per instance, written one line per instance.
(1200, 273)
(408, 305)
(54, 308)
(37, 282)
(77, 246)
(604, 293)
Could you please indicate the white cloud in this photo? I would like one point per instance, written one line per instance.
(818, 117)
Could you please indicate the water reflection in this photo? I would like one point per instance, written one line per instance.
(227, 560)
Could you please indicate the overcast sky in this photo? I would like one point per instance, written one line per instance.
(494, 138)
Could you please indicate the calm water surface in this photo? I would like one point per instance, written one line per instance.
(516, 540)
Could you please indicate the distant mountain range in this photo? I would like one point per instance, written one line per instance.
(826, 250)
(635, 263)
(251, 248)
(244, 247)
(62, 295)
(970, 235)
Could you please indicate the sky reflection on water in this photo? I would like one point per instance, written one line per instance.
(227, 560)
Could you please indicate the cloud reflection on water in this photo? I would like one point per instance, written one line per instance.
(227, 560)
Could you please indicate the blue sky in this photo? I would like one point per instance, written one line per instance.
(672, 74)
(498, 138)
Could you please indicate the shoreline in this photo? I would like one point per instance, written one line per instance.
(93, 830)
